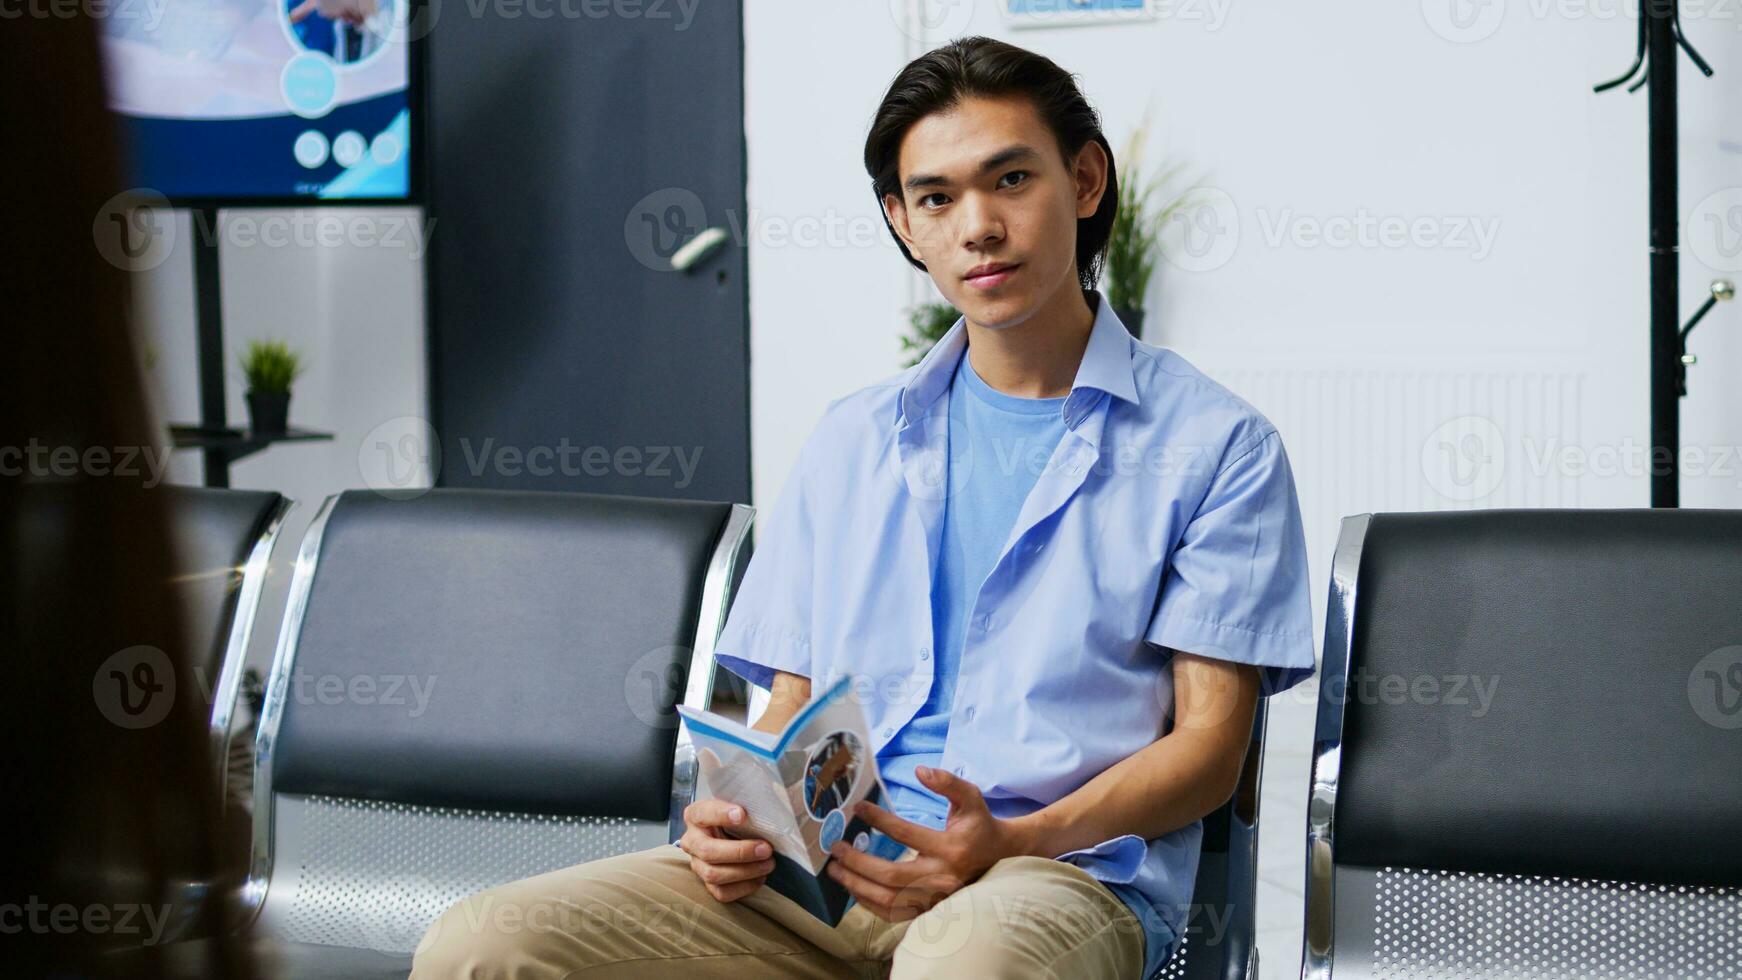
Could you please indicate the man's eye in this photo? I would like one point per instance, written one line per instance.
(1016, 173)
(927, 198)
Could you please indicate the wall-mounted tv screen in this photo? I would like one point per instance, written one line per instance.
(232, 101)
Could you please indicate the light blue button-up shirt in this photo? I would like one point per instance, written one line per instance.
(1165, 519)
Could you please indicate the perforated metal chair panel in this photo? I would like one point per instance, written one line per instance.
(1417, 924)
(1176, 966)
(373, 875)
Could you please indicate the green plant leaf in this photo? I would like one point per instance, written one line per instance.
(1135, 239)
(270, 366)
(926, 325)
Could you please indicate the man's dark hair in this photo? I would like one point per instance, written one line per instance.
(979, 66)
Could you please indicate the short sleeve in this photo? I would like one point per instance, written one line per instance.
(768, 627)
(1236, 587)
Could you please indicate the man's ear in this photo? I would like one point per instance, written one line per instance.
(1090, 173)
(896, 212)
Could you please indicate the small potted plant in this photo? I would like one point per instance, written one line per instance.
(270, 366)
(926, 325)
(1134, 240)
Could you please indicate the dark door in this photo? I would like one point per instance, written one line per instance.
(569, 156)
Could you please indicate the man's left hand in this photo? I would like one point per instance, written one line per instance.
(945, 860)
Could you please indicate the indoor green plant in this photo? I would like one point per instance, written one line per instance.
(1134, 242)
(926, 325)
(269, 366)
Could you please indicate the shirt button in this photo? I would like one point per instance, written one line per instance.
(925, 653)
(969, 714)
(888, 732)
(958, 770)
(985, 622)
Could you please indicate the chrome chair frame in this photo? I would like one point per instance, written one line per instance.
(225, 690)
(717, 588)
(1318, 942)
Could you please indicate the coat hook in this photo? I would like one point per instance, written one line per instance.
(1722, 290)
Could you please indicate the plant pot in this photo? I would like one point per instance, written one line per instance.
(268, 412)
(1132, 317)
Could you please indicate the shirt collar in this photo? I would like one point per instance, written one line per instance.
(1106, 366)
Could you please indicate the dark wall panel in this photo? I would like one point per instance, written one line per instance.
(569, 156)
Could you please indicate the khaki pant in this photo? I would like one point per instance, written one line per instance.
(646, 915)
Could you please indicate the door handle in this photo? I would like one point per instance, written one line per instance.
(692, 252)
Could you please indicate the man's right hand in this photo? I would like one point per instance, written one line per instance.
(730, 867)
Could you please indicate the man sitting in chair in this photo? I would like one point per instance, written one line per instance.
(1059, 564)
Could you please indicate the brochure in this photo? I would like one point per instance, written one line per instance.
(797, 789)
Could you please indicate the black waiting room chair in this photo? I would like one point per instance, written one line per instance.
(1220, 942)
(222, 542)
(1528, 758)
(471, 687)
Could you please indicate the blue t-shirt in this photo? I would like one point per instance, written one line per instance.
(999, 445)
(994, 442)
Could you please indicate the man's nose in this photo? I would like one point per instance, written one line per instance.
(982, 220)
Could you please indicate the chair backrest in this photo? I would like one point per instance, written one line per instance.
(1527, 754)
(1221, 930)
(223, 541)
(475, 686)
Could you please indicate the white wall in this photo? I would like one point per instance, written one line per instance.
(1402, 378)
(353, 307)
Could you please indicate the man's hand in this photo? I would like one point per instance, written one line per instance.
(730, 868)
(945, 860)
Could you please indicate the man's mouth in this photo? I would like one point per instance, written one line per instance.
(991, 274)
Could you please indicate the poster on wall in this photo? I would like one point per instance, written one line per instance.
(1072, 13)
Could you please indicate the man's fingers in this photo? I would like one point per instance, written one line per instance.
(713, 813)
(300, 12)
(726, 850)
(917, 836)
(895, 874)
(962, 794)
(865, 889)
(725, 874)
(735, 890)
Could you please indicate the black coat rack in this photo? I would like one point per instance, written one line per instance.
(1660, 34)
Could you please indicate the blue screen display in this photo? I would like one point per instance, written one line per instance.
(262, 99)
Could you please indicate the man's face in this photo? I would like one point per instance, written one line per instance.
(984, 185)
